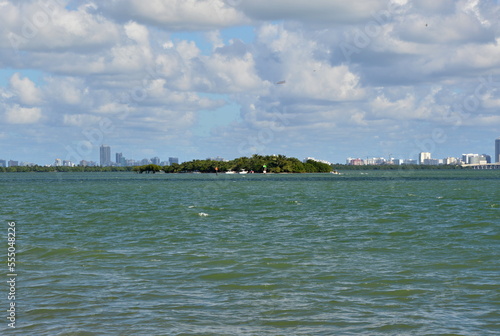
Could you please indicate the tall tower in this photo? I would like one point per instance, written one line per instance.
(105, 155)
(497, 150)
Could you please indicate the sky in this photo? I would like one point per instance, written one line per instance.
(193, 79)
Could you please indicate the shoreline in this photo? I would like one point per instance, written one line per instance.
(340, 169)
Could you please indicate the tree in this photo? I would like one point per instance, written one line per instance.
(150, 168)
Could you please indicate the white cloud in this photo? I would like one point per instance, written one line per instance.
(22, 115)
(138, 33)
(233, 74)
(26, 90)
(491, 102)
(46, 25)
(176, 14)
(66, 90)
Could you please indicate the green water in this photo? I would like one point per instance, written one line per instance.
(363, 253)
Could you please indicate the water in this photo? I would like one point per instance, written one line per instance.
(364, 253)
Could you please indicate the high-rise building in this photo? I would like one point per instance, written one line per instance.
(487, 158)
(13, 163)
(466, 158)
(355, 162)
(3, 163)
(119, 157)
(172, 160)
(156, 160)
(423, 156)
(497, 150)
(478, 159)
(450, 161)
(105, 155)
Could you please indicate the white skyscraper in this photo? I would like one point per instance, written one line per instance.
(423, 158)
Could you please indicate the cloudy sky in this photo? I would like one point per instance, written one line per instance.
(201, 78)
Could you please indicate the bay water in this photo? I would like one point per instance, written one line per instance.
(362, 253)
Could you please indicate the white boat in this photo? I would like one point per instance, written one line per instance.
(243, 171)
(230, 172)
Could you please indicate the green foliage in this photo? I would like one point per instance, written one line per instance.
(150, 168)
(255, 163)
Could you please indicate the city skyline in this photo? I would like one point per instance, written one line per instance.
(208, 78)
(425, 158)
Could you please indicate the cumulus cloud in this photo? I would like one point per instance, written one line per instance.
(308, 73)
(47, 25)
(188, 15)
(22, 115)
(66, 90)
(26, 90)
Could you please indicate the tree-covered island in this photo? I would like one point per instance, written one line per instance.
(256, 164)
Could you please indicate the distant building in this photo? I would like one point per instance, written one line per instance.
(3, 163)
(432, 162)
(450, 161)
(355, 162)
(172, 160)
(67, 163)
(477, 159)
(13, 163)
(497, 150)
(316, 160)
(105, 156)
(474, 159)
(130, 163)
(119, 157)
(218, 158)
(423, 156)
(58, 163)
(410, 162)
(375, 161)
(84, 163)
(155, 160)
(397, 162)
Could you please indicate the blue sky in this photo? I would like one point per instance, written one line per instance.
(198, 78)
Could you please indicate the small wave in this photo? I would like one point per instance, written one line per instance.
(202, 214)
